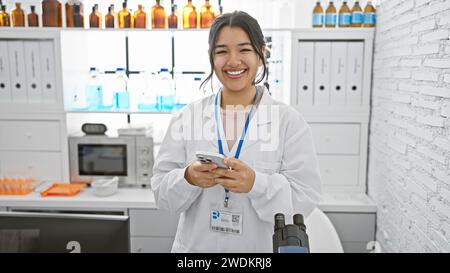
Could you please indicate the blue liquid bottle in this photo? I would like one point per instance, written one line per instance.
(166, 91)
(121, 95)
(94, 92)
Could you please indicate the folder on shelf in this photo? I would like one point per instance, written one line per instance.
(354, 73)
(5, 80)
(48, 70)
(338, 73)
(17, 72)
(33, 72)
(305, 74)
(322, 58)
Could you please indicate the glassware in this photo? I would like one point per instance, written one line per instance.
(140, 18)
(330, 15)
(94, 93)
(18, 16)
(125, 17)
(78, 18)
(33, 18)
(95, 18)
(158, 16)
(5, 21)
(121, 95)
(172, 20)
(207, 15)
(345, 15)
(51, 13)
(369, 15)
(189, 16)
(357, 15)
(317, 18)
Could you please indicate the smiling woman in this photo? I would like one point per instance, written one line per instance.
(270, 169)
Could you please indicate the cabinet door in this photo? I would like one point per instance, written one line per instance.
(152, 222)
(339, 170)
(18, 74)
(338, 73)
(5, 79)
(322, 54)
(355, 52)
(36, 165)
(336, 138)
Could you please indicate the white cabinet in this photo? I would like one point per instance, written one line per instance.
(152, 230)
(336, 138)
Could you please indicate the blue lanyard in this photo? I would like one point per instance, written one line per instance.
(241, 140)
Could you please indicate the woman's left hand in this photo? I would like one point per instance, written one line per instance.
(239, 179)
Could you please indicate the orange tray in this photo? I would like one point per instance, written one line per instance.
(12, 186)
(60, 189)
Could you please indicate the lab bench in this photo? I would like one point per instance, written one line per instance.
(153, 230)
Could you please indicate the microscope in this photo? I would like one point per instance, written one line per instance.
(290, 238)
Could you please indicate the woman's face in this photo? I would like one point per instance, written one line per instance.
(235, 61)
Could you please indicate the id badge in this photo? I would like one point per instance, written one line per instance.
(226, 222)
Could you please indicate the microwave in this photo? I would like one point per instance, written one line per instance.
(130, 158)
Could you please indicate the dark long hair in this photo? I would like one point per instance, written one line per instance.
(248, 24)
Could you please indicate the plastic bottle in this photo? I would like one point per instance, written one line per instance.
(330, 15)
(33, 18)
(5, 21)
(125, 17)
(140, 18)
(172, 19)
(94, 93)
(121, 95)
(207, 15)
(345, 15)
(317, 17)
(78, 18)
(166, 91)
(18, 16)
(95, 18)
(189, 15)
(147, 99)
(357, 15)
(369, 15)
(51, 13)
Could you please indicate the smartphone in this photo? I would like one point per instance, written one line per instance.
(209, 157)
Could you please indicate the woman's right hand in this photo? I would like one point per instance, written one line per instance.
(198, 174)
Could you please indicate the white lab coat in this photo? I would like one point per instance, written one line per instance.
(282, 156)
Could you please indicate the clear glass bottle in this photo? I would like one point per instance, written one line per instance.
(357, 15)
(95, 18)
(165, 91)
(33, 18)
(207, 15)
(125, 17)
(78, 17)
(158, 16)
(140, 18)
(345, 15)
(189, 15)
(172, 19)
(317, 17)
(369, 15)
(18, 16)
(5, 20)
(94, 93)
(330, 15)
(51, 13)
(121, 95)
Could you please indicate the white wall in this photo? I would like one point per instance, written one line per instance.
(410, 128)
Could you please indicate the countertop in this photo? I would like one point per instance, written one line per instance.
(140, 198)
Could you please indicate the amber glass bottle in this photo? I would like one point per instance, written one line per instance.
(78, 17)
(109, 18)
(69, 13)
(5, 21)
(140, 18)
(124, 17)
(51, 13)
(330, 15)
(189, 15)
(158, 16)
(345, 15)
(33, 18)
(369, 15)
(172, 19)
(94, 18)
(207, 15)
(317, 17)
(18, 16)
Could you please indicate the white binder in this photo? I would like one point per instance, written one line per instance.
(322, 56)
(305, 74)
(48, 72)
(355, 52)
(338, 73)
(5, 80)
(33, 69)
(17, 72)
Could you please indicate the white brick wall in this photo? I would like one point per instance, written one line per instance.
(409, 158)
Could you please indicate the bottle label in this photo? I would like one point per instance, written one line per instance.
(357, 17)
(369, 18)
(330, 19)
(317, 19)
(345, 19)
